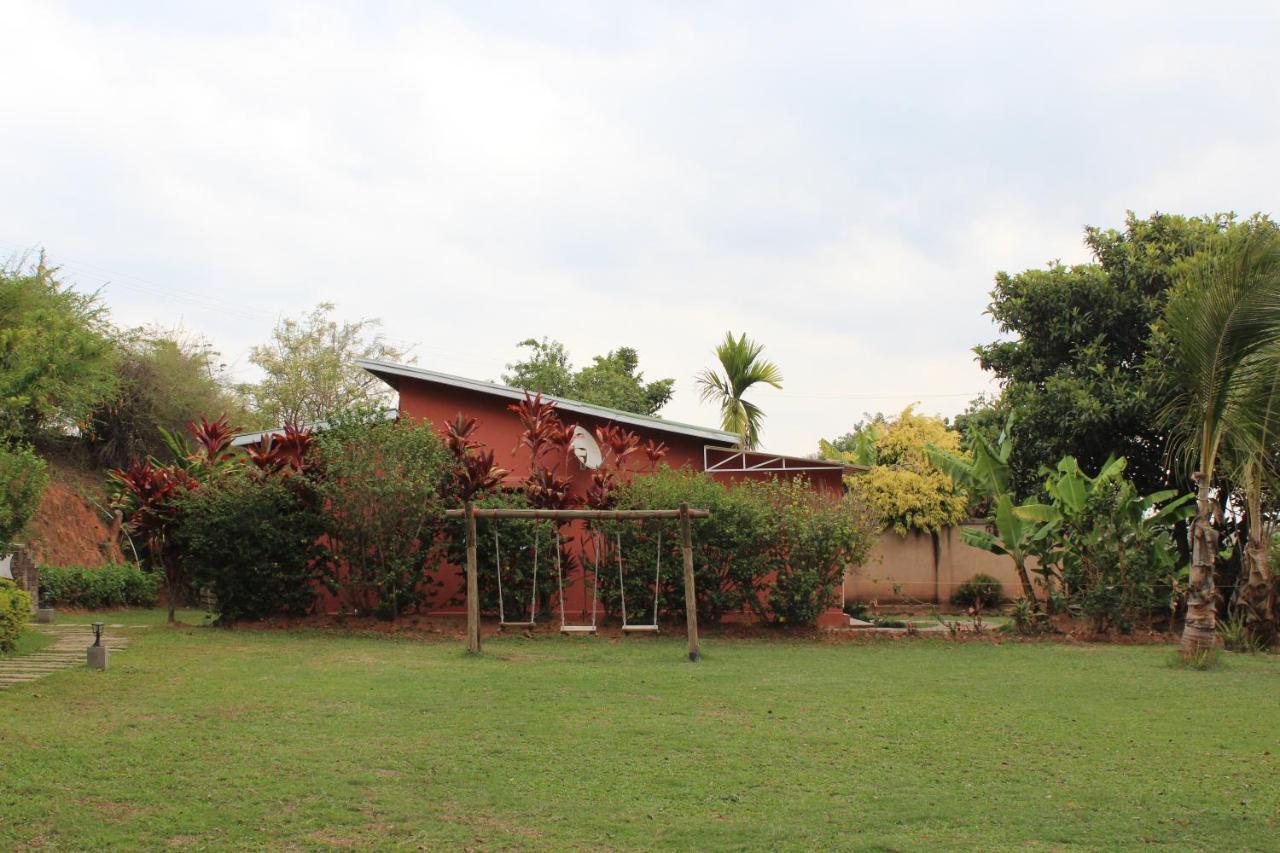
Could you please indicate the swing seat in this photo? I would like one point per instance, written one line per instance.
(577, 629)
(640, 629)
(516, 624)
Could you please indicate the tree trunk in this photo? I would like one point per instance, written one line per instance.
(1200, 631)
(1256, 594)
(1028, 590)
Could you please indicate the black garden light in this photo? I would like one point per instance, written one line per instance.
(96, 655)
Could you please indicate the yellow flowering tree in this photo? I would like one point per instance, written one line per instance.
(902, 485)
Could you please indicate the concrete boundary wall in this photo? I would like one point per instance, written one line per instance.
(924, 568)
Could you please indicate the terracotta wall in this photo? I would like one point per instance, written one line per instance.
(925, 568)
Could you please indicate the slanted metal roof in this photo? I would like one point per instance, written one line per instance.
(247, 438)
(731, 460)
(392, 373)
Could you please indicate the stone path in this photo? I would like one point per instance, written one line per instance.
(67, 651)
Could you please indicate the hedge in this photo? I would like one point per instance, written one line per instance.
(100, 587)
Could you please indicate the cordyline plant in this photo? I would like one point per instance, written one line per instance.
(284, 453)
(148, 493)
(548, 440)
(474, 471)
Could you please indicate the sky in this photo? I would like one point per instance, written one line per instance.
(841, 181)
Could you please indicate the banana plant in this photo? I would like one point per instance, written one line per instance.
(1013, 530)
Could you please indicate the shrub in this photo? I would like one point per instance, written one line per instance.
(15, 610)
(1237, 636)
(382, 487)
(728, 547)
(251, 541)
(516, 539)
(99, 587)
(22, 481)
(812, 538)
(1115, 563)
(981, 590)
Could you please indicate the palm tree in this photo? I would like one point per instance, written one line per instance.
(1223, 314)
(740, 360)
(1250, 455)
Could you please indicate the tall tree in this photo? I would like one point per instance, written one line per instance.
(166, 379)
(613, 379)
(57, 360)
(1078, 374)
(1224, 314)
(310, 367)
(741, 369)
(907, 491)
(1250, 455)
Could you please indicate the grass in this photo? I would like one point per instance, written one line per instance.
(29, 641)
(207, 738)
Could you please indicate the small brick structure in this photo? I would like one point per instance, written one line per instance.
(25, 573)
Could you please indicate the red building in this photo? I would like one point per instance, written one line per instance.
(436, 397)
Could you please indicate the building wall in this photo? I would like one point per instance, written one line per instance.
(919, 567)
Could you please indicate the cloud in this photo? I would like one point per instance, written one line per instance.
(841, 181)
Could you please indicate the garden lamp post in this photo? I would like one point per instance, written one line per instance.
(97, 653)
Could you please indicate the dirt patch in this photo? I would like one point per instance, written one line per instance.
(70, 528)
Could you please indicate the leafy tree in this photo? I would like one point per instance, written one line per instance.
(166, 379)
(613, 379)
(905, 489)
(547, 369)
(742, 368)
(382, 489)
(57, 361)
(1079, 374)
(1222, 318)
(23, 478)
(310, 368)
(251, 539)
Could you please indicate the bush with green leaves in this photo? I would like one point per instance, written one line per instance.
(381, 487)
(775, 547)
(15, 612)
(23, 477)
(1109, 545)
(252, 541)
(813, 538)
(99, 587)
(516, 543)
(981, 590)
(729, 547)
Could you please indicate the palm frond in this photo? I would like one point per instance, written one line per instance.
(1223, 312)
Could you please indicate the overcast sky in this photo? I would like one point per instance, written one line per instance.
(839, 180)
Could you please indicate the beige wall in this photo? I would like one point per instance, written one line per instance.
(925, 569)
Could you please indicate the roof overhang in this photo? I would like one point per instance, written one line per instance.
(393, 374)
(246, 438)
(730, 460)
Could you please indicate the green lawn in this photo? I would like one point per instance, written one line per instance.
(29, 641)
(206, 738)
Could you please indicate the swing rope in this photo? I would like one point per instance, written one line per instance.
(533, 604)
(622, 587)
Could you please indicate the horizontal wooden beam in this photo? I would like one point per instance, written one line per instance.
(571, 514)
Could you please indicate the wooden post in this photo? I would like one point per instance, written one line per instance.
(473, 586)
(690, 596)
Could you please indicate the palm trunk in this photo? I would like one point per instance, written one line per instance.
(1200, 632)
(1256, 594)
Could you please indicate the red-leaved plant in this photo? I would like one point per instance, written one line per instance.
(475, 471)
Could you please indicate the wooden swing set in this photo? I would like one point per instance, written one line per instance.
(471, 512)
